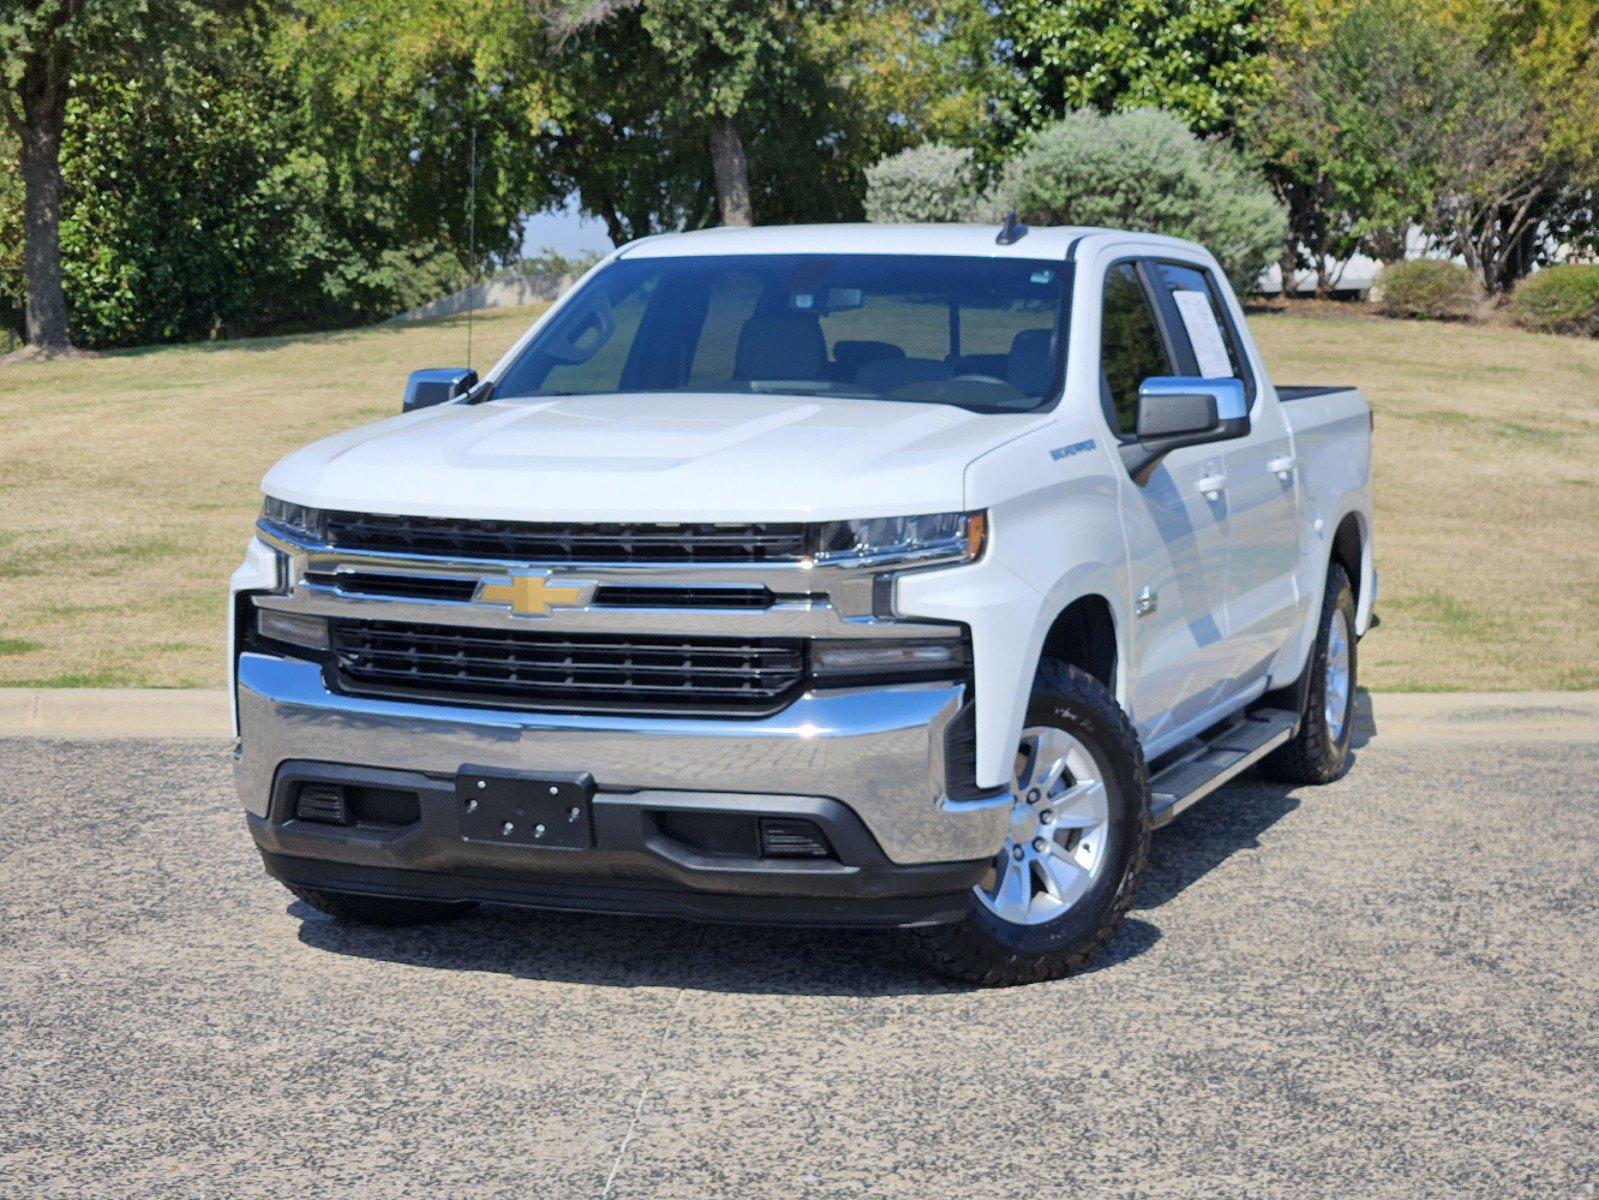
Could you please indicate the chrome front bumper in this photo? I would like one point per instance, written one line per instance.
(879, 751)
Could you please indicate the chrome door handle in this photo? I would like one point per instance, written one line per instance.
(1282, 467)
(1212, 485)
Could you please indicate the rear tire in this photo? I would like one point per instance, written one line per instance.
(1319, 752)
(380, 910)
(1011, 935)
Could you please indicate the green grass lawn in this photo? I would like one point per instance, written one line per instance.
(128, 484)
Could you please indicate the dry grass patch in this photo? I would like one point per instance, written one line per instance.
(1487, 495)
(128, 484)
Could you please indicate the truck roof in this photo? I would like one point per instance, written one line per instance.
(968, 241)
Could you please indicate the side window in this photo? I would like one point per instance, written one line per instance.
(1203, 323)
(1130, 347)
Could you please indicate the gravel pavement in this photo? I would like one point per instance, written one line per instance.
(1388, 987)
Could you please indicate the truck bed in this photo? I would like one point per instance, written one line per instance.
(1285, 394)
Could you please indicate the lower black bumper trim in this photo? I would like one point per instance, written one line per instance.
(583, 896)
(664, 853)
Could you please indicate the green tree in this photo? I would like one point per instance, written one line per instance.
(44, 46)
(1204, 60)
(181, 214)
(1341, 136)
(390, 99)
(1477, 122)
(13, 295)
(717, 53)
(736, 112)
(1528, 139)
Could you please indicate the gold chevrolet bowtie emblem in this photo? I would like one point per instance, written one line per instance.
(533, 595)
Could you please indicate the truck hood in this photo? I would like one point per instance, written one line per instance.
(651, 457)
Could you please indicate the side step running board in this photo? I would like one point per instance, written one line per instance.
(1230, 753)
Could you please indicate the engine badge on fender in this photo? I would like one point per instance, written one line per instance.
(1075, 448)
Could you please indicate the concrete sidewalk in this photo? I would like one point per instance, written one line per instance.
(82, 713)
(88, 713)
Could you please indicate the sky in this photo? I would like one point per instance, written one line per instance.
(565, 231)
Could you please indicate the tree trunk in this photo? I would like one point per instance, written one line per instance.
(44, 106)
(732, 173)
(1326, 281)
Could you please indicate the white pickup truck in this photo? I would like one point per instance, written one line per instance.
(901, 576)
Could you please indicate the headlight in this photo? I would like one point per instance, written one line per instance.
(303, 522)
(896, 658)
(957, 536)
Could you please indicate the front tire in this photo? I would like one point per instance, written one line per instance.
(391, 911)
(1319, 752)
(1072, 861)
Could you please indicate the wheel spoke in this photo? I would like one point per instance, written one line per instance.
(1081, 806)
(1015, 888)
(1065, 878)
(1043, 759)
(1052, 775)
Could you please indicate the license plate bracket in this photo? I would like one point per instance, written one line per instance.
(510, 808)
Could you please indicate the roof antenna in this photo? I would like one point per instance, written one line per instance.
(472, 236)
(1012, 231)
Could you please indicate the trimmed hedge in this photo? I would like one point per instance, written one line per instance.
(1559, 300)
(1432, 289)
(933, 182)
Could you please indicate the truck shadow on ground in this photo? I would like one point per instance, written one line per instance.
(608, 951)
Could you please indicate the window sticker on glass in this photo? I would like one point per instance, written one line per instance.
(1199, 319)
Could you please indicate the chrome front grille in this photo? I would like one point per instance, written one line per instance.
(461, 589)
(545, 542)
(514, 669)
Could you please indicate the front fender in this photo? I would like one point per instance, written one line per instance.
(1055, 534)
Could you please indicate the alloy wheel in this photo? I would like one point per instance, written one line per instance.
(1056, 847)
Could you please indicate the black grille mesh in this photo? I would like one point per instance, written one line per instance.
(566, 671)
(521, 541)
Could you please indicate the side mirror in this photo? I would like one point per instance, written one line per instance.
(436, 385)
(1174, 412)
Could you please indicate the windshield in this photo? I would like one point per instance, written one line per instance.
(974, 332)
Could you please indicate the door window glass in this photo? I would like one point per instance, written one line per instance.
(1131, 349)
(1204, 322)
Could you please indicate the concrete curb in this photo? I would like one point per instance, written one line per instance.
(87, 713)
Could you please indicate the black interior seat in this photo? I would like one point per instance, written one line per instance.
(1029, 367)
(850, 356)
(887, 374)
(785, 345)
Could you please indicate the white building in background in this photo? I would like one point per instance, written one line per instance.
(1354, 283)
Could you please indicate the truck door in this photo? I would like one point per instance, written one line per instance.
(1262, 591)
(1176, 551)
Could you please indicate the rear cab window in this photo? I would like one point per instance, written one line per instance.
(1202, 331)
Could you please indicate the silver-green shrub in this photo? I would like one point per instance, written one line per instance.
(931, 182)
(1143, 170)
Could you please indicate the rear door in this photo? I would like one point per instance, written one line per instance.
(1176, 551)
(1262, 591)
